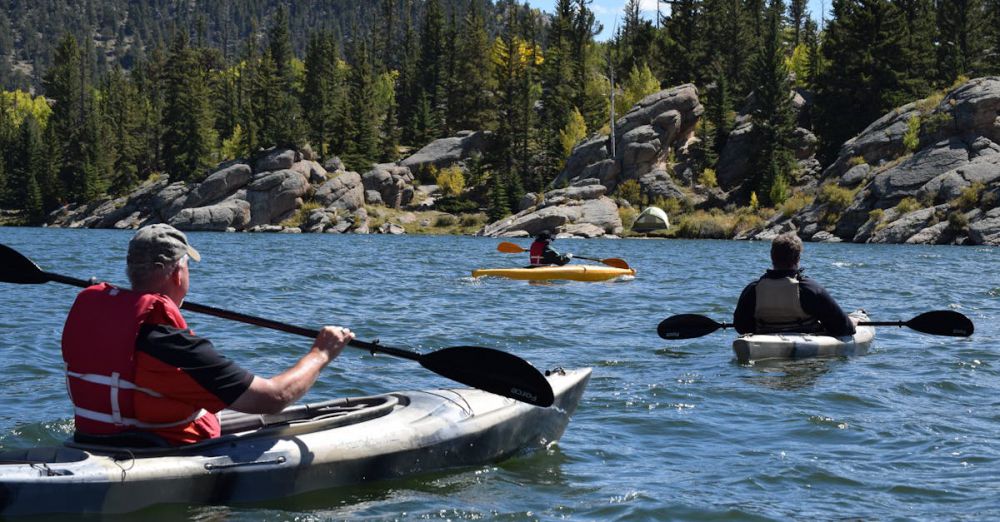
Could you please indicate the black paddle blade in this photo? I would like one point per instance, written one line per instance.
(493, 371)
(686, 326)
(942, 322)
(19, 269)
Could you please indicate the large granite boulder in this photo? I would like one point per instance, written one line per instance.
(232, 213)
(986, 231)
(277, 159)
(592, 217)
(941, 155)
(219, 185)
(644, 138)
(446, 152)
(393, 183)
(345, 191)
(274, 195)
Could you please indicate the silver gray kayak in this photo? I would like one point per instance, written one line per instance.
(305, 448)
(760, 347)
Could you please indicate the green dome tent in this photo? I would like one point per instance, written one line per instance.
(653, 218)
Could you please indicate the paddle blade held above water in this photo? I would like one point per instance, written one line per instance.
(510, 248)
(493, 371)
(942, 322)
(18, 269)
(687, 326)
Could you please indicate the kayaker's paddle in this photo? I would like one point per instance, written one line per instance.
(937, 322)
(511, 248)
(483, 368)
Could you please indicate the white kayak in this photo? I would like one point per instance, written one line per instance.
(759, 347)
(305, 448)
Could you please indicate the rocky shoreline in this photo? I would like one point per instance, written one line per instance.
(927, 172)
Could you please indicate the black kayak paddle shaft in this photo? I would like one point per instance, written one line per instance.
(487, 369)
(935, 322)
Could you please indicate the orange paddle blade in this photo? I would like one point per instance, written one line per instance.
(616, 262)
(510, 248)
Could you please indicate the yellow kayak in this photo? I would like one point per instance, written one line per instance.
(570, 272)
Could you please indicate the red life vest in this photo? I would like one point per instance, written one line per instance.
(537, 252)
(98, 347)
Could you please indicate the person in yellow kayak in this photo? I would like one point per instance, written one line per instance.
(541, 252)
(785, 300)
(138, 376)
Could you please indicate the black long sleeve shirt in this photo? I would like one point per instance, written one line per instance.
(813, 297)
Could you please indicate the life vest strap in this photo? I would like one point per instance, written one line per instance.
(135, 423)
(115, 382)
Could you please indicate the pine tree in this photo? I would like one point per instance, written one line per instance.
(64, 84)
(557, 93)
(683, 42)
(590, 101)
(718, 111)
(814, 66)
(286, 128)
(250, 87)
(29, 168)
(730, 36)
(122, 107)
(322, 90)
(471, 105)
(862, 57)
(188, 135)
(408, 86)
(797, 16)
(960, 40)
(634, 41)
(432, 70)
(148, 79)
(363, 145)
(772, 115)
(917, 46)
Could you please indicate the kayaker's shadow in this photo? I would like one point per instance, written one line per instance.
(788, 375)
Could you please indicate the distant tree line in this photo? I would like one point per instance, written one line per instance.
(136, 89)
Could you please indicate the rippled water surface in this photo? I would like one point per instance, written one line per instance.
(665, 430)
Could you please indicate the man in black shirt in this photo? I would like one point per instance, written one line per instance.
(785, 300)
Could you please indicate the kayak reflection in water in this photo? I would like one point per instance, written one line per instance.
(785, 300)
(138, 376)
(542, 254)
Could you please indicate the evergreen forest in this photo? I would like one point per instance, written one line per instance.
(100, 95)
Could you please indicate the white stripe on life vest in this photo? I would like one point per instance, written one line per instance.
(114, 382)
(125, 421)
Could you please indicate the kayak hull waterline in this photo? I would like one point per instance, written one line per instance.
(360, 440)
(567, 272)
(760, 347)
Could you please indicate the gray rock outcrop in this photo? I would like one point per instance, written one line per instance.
(582, 211)
(949, 169)
(446, 152)
(644, 137)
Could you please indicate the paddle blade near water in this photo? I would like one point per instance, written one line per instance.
(687, 326)
(616, 262)
(15, 268)
(942, 322)
(493, 371)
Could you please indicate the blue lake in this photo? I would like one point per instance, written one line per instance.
(666, 430)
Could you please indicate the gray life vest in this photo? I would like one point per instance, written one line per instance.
(778, 308)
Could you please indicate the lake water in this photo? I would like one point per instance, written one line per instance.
(666, 430)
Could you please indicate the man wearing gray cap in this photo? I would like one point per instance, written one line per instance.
(133, 368)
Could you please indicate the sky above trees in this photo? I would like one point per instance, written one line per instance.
(610, 11)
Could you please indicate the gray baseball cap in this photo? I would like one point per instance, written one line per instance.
(161, 244)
